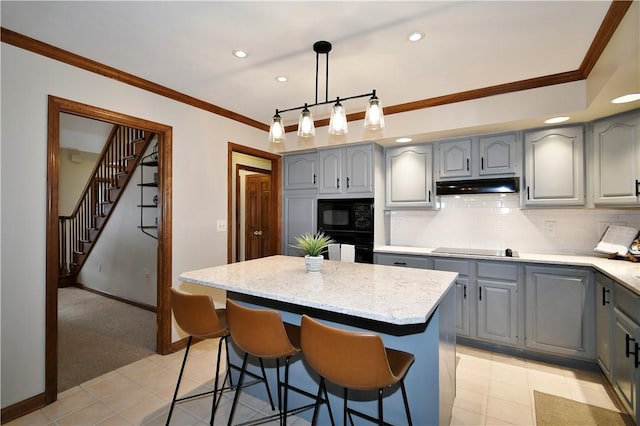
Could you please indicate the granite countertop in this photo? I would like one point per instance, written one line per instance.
(399, 296)
(625, 272)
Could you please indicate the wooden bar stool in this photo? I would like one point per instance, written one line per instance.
(196, 315)
(353, 360)
(262, 333)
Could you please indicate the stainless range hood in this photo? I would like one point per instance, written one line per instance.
(478, 186)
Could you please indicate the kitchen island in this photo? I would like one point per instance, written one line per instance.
(412, 309)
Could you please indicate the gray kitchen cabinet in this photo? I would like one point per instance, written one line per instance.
(615, 149)
(300, 211)
(626, 350)
(560, 317)
(604, 321)
(409, 177)
(454, 159)
(481, 156)
(497, 286)
(404, 260)
(346, 170)
(462, 307)
(300, 171)
(554, 167)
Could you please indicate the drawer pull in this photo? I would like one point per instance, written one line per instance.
(347, 183)
(480, 292)
(338, 183)
(604, 296)
(464, 293)
(400, 263)
(467, 164)
(637, 187)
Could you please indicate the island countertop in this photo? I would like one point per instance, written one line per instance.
(399, 296)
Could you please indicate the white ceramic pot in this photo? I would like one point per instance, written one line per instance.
(313, 263)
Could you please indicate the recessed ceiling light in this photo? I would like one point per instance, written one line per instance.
(415, 36)
(631, 97)
(281, 79)
(240, 53)
(403, 140)
(556, 120)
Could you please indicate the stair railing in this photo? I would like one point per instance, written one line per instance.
(116, 162)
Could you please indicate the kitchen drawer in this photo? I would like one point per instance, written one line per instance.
(627, 302)
(498, 270)
(460, 266)
(402, 260)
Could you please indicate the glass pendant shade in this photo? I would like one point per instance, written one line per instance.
(306, 128)
(276, 131)
(338, 121)
(373, 117)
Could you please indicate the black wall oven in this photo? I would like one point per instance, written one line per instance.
(349, 221)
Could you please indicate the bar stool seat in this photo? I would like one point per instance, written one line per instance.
(262, 333)
(353, 360)
(196, 315)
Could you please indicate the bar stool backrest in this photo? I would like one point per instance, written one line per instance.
(354, 360)
(259, 332)
(196, 314)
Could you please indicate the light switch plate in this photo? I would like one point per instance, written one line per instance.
(221, 225)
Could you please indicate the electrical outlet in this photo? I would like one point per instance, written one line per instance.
(550, 228)
(221, 225)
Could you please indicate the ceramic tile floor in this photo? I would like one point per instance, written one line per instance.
(492, 389)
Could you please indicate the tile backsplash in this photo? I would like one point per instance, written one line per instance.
(496, 222)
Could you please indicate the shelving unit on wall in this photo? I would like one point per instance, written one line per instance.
(149, 194)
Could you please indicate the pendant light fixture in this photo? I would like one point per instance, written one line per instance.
(374, 118)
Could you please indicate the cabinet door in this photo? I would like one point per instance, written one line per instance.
(625, 372)
(330, 161)
(498, 311)
(497, 154)
(359, 169)
(462, 306)
(409, 172)
(560, 313)
(300, 171)
(554, 167)
(616, 160)
(299, 218)
(454, 159)
(604, 321)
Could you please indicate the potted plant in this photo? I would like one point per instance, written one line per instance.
(313, 246)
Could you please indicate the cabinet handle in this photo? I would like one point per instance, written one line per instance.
(467, 164)
(480, 292)
(347, 183)
(637, 187)
(528, 198)
(429, 195)
(337, 182)
(314, 178)
(604, 297)
(400, 263)
(628, 340)
(635, 355)
(464, 292)
(481, 163)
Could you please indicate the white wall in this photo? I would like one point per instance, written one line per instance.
(496, 222)
(73, 177)
(199, 192)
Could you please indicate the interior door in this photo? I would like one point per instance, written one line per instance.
(257, 231)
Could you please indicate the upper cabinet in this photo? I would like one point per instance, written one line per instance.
(615, 151)
(409, 176)
(300, 171)
(346, 170)
(478, 157)
(554, 167)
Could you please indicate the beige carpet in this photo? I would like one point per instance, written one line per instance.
(553, 410)
(97, 335)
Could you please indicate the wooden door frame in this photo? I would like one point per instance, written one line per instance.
(276, 200)
(163, 317)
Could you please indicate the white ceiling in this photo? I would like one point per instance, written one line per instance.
(187, 46)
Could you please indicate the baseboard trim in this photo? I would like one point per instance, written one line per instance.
(22, 408)
(118, 298)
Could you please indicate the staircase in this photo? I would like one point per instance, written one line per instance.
(78, 233)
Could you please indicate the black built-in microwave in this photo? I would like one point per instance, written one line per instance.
(354, 214)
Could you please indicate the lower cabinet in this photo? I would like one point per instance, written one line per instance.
(498, 311)
(559, 305)
(604, 321)
(462, 307)
(299, 218)
(626, 349)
